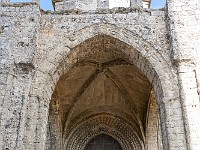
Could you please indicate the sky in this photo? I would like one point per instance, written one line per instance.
(47, 4)
(157, 4)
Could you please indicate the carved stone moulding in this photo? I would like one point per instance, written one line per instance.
(107, 124)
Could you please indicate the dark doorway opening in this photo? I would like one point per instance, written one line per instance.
(103, 142)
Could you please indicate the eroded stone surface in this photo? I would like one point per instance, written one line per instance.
(68, 76)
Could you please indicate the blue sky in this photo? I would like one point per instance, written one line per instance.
(47, 4)
(158, 3)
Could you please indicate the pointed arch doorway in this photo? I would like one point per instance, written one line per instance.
(103, 142)
(103, 92)
(111, 63)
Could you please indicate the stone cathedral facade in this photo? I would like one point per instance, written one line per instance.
(96, 75)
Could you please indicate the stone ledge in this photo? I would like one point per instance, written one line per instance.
(120, 10)
(18, 4)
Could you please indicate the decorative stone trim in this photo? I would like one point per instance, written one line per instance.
(103, 124)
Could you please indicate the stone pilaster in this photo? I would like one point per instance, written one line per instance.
(184, 28)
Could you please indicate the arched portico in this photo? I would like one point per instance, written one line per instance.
(134, 49)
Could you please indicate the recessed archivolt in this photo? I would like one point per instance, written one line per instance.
(103, 109)
(103, 124)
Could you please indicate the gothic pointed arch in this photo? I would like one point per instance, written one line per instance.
(127, 48)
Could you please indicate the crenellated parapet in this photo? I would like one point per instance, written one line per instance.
(92, 5)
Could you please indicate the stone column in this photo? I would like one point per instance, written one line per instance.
(184, 30)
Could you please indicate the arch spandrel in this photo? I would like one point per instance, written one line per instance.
(141, 53)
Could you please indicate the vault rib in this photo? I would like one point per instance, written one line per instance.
(121, 87)
(105, 69)
(105, 65)
(79, 93)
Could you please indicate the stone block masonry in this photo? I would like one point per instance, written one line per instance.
(40, 50)
(19, 24)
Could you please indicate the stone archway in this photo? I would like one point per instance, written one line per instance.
(101, 68)
(133, 48)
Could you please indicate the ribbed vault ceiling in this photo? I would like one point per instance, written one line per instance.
(103, 81)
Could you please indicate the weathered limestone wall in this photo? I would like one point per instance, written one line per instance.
(184, 27)
(54, 29)
(64, 32)
(27, 40)
(18, 33)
